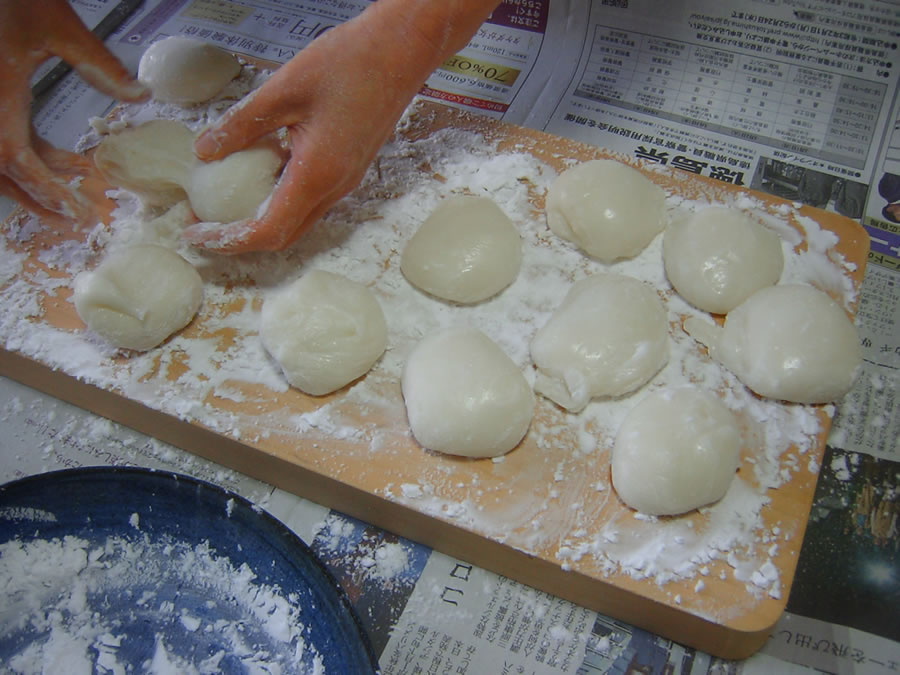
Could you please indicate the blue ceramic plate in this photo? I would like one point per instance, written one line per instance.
(130, 570)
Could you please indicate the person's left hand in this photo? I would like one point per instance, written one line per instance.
(43, 179)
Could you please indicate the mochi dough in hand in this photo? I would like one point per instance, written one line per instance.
(184, 70)
(678, 449)
(156, 161)
(466, 251)
(788, 342)
(607, 338)
(465, 396)
(138, 296)
(234, 187)
(324, 330)
(716, 258)
(607, 208)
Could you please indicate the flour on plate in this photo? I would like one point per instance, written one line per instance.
(201, 612)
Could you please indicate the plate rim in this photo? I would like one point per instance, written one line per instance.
(165, 477)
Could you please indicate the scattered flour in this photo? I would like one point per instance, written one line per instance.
(573, 513)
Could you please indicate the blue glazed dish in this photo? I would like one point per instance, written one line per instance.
(133, 569)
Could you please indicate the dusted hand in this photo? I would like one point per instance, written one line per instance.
(40, 177)
(339, 100)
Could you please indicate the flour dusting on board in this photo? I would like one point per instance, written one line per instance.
(550, 497)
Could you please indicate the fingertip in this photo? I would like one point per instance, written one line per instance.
(209, 144)
(110, 77)
(134, 91)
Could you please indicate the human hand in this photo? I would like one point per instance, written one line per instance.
(44, 179)
(339, 100)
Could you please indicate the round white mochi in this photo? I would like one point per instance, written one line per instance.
(234, 187)
(607, 338)
(156, 161)
(465, 396)
(678, 449)
(608, 209)
(186, 71)
(138, 296)
(466, 251)
(788, 342)
(324, 330)
(718, 257)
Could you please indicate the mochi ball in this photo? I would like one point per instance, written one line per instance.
(607, 208)
(790, 342)
(607, 338)
(465, 396)
(234, 187)
(185, 70)
(677, 449)
(138, 296)
(716, 258)
(466, 251)
(324, 330)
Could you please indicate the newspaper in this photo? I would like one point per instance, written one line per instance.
(797, 98)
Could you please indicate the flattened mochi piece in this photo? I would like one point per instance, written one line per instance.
(156, 161)
(153, 160)
(789, 342)
(678, 449)
(465, 396)
(186, 71)
(607, 208)
(466, 251)
(138, 296)
(607, 338)
(716, 258)
(324, 330)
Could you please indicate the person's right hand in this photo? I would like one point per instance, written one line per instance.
(339, 100)
(44, 179)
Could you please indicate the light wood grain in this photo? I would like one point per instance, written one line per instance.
(346, 475)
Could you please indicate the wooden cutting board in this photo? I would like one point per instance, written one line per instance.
(419, 494)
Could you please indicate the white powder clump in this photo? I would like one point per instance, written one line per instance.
(57, 598)
(391, 559)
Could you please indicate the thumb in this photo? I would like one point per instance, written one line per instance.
(239, 128)
(218, 142)
(271, 107)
